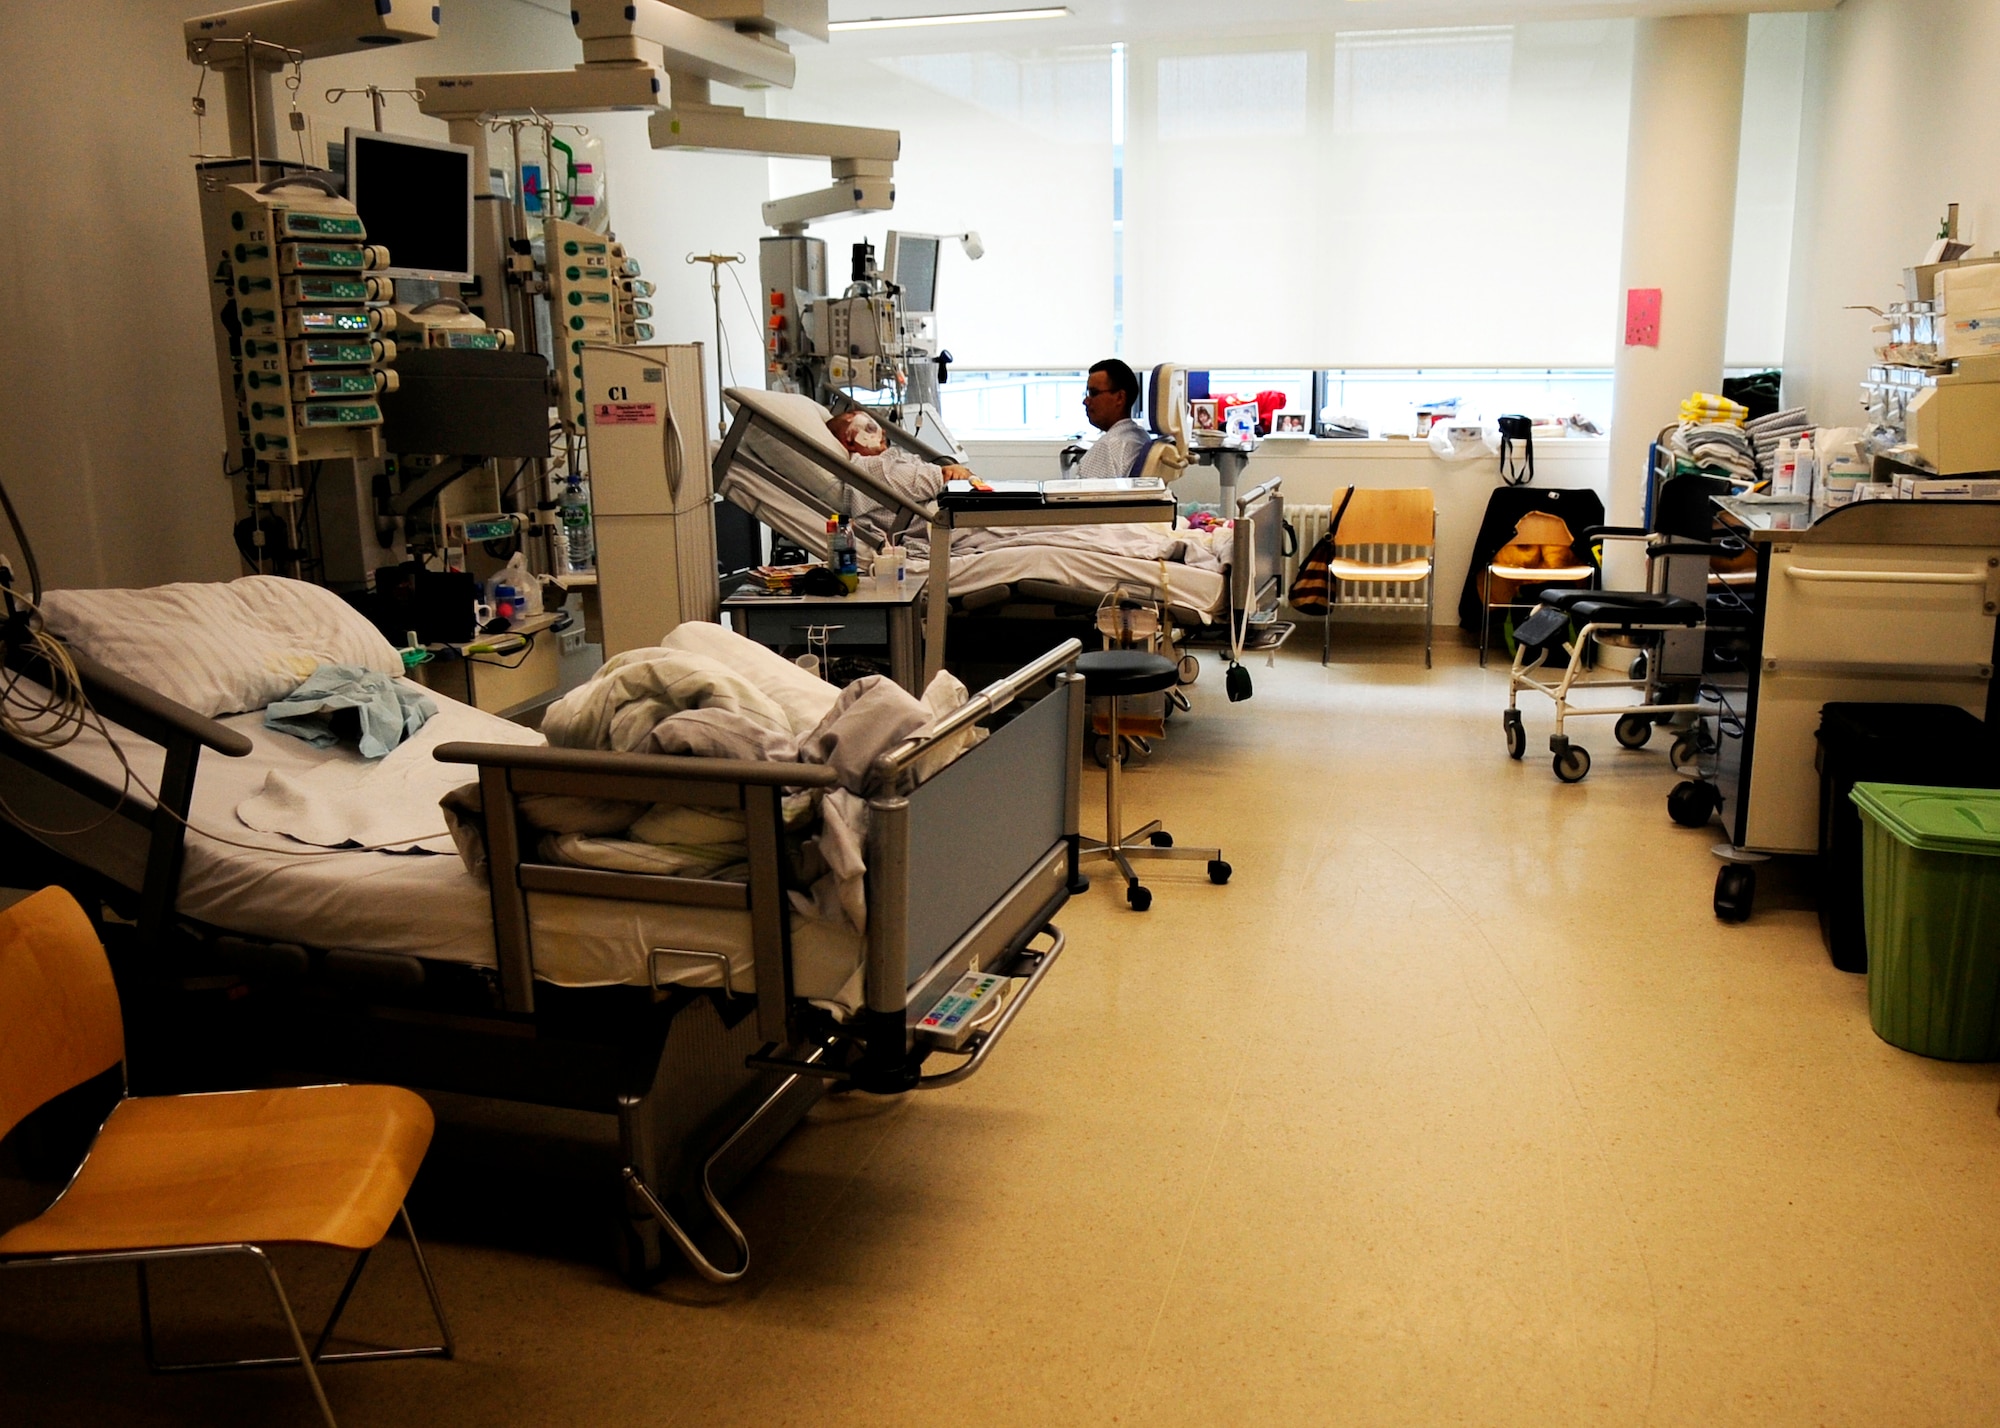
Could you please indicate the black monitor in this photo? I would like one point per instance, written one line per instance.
(415, 199)
(913, 266)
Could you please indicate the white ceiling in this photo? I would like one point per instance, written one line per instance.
(1106, 21)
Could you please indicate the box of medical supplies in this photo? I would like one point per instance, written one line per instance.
(1915, 488)
(1930, 887)
(1975, 334)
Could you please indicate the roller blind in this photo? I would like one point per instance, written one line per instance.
(1013, 144)
(1385, 198)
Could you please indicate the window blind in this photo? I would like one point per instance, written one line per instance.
(1016, 145)
(1443, 197)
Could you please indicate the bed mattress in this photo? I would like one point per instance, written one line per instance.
(425, 903)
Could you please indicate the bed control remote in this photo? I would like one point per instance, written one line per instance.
(950, 1023)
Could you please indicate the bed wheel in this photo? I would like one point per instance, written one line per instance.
(1735, 892)
(1140, 898)
(1102, 750)
(1573, 764)
(1692, 803)
(1517, 735)
(1189, 669)
(1237, 683)
(1219, 871)
(1633, 731)
(1163, 839)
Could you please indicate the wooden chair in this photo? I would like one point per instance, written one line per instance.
(180, 1177)
(1386, 546)
(1542, 552)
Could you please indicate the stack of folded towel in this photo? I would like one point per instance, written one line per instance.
(1717, 446)
(1705, 408)
(1769, 433)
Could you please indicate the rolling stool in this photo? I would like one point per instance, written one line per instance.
(1112, 674)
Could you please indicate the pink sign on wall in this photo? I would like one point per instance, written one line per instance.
(1642, 317)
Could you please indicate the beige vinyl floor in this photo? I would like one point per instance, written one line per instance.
(1457, 1106)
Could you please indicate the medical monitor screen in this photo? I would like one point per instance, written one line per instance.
(914, 269)
(415, 199)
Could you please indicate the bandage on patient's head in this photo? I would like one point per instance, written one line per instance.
(859, 432)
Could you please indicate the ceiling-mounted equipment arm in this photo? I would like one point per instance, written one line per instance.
(250, 43)
(864, 160)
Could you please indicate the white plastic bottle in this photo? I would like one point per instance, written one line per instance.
(1806, 477)
(1784, 468)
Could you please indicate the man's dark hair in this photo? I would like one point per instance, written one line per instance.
(1123, 379)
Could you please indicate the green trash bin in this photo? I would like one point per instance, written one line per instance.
(1931, 892)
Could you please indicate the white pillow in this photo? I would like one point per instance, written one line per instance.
(219, 649)
(794, 410)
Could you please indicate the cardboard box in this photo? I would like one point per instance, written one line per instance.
(1975, 334)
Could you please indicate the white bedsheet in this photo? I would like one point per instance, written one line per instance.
(428, 905)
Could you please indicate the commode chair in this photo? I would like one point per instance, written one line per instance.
(1570, 623)
(1113, 675)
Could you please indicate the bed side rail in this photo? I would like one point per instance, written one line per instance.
(133, 706)
(510, 772)
(134, 843)
(965, 871)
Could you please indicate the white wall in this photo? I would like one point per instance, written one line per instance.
(1901, 109)
(1314, 470)
(113, 446)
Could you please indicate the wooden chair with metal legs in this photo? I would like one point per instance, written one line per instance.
(1114, 675)
(1390, 540)
(183, 1177)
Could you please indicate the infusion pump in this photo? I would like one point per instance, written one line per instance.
(301, 321)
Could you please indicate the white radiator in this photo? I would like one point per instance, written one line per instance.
(1311, 523)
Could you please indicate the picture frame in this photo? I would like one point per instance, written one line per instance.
(1285, 423)
(1205, 417)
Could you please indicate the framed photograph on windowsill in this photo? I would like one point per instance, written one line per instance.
(1204, 420)
(1289, 424)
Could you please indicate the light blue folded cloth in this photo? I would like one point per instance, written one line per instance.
(386, 710)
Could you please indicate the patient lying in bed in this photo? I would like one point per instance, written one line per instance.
(920, 482)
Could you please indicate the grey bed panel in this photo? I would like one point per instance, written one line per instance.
(982, 823)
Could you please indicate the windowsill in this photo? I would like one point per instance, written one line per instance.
(1316, 448)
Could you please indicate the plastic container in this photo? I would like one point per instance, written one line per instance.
(1931, 885)
(1934, 744)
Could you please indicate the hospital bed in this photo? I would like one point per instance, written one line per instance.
(706, 1016)
(779, 463)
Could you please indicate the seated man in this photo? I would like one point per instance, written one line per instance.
(1110, 400)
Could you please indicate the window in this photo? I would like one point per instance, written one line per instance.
(1046, 406)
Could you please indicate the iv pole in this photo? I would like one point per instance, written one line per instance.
(715, 262)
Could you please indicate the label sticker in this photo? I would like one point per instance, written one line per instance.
(625, 414)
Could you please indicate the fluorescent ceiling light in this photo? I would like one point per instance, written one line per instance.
(971, 17)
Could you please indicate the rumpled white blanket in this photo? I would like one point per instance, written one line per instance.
(710, 693)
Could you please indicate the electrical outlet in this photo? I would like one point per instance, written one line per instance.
(570, 642)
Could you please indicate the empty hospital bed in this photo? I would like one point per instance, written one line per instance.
(705, 1016)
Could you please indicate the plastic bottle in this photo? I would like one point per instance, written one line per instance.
(1784, 468)
(576, 526)
(1806, 477)
(833, 544)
